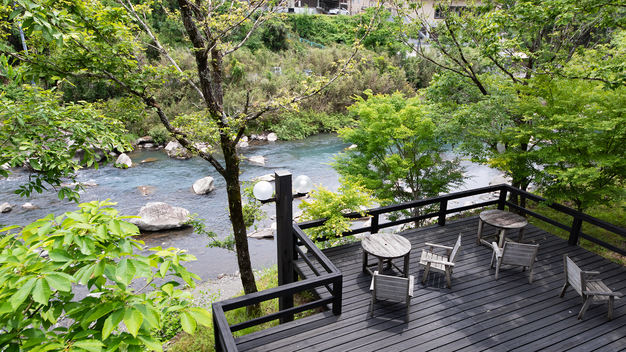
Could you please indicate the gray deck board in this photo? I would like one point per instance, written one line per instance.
(478, 313)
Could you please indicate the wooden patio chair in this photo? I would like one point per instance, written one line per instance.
(444, 264)
(513, 253)
(392, 288)
(591, 290)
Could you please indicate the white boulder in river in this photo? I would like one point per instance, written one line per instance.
(5, 207)
(203, 185)
(124, 159)
(157, 216)
(257, 159)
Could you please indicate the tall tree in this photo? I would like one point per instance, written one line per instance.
(104, 40)
(399, 151)
(489, 53)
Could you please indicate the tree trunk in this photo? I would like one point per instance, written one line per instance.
(236, 215)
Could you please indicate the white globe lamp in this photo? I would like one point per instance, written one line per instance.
(302, 184)
(263, 190)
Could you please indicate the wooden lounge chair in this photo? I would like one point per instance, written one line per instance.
(444, 264)
(393, 288)
(590, 290)
(513, 253)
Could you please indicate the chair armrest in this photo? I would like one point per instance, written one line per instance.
(496, 249)
(602, 293)
(411, 284)
(590, 273)
(440, 262)
(372, 285)
(439, 246)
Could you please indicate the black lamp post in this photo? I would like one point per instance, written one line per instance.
(284, 222)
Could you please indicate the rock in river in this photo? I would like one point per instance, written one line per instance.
(5, 207)
(157, 216)
(257, 159)
(124, 159)
(203, 185)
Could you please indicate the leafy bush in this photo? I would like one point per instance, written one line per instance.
(324, 203)
(301, 124)
(43, 264)
(159, 134)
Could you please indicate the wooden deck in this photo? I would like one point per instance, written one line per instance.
(477, 314)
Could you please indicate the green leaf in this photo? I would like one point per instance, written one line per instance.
(125, 271)
(59, 255)
(59, 282)
(89, 345)
(100, 312)
(163, 268)
(41, 293)
(151, 343)
(20, 296)
(201, 315)
(112, 322)
(187, 322)
(133, 320)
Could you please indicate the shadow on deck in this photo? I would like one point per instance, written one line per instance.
(477, 314)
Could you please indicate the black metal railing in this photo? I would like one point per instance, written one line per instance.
(574, 230)
(327, 277)
(331, 277)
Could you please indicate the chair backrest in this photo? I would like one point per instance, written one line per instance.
(573, 274)
(519, 254)
(455, 250)
(391, 287)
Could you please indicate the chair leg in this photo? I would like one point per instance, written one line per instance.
(583, 310)
(530, 277)
(372, 306)
(610, 315)
(498, 267)
(448, 277)
(493, 257)
(564, 289)
(426, 268)
(408, 309)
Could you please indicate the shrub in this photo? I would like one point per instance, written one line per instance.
(92, 248)
(330, 205)
(159, 134)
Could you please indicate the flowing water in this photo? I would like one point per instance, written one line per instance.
(169, 180)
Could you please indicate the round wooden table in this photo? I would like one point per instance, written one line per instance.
(386, 246)
(502, 220)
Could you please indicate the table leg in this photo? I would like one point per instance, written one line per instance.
(520, 238)
(365, 262)
(406, 265)
(502, 236)
(380, 266)
(480, 231)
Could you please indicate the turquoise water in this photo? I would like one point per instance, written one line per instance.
(169, 180)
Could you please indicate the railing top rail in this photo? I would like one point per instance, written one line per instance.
(326, 263)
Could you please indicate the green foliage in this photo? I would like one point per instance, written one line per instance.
(251, 206)
(38, 132)
(204, 340)
(92, 248)
(274, 35)
(301, 124)
(399, 151)
(580, 131)
(614, 214)
(159, 134)
(323, 203)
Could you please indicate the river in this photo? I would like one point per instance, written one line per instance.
(170, 180)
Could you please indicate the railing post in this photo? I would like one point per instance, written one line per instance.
(284, 236)
(216, 333)
(502, 199)
(443, 207)
(374, 224)
(338, 293)
(573, 235)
